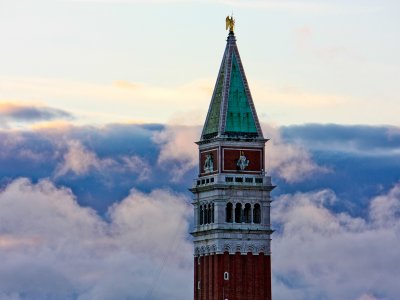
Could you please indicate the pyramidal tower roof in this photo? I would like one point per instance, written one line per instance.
(231, 113)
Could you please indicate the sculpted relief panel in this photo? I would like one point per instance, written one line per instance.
(242, 160)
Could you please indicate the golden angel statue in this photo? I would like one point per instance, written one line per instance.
(230, 23)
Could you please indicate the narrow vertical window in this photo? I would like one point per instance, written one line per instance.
(257, 214)
(205, 214)
(209, 214)
(238, 213)
(201, 215)
(228, 213)
(247, 213)
(212, 213)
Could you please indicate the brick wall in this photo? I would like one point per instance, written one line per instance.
(249, 277)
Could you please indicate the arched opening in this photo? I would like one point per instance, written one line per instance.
(257, 214)
(228, 213)
(238, 213)
(201, 215)
(247, 213)
(205, 214)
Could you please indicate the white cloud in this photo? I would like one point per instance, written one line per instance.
(52, 248)
(56, 249)
(178, 152)
(291, 162)
(136, 164)
(316, 251)
(385, 210)
(79, 160)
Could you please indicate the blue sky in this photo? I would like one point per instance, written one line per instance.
(101, 103)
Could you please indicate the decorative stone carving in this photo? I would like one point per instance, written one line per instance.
(242, 162)
(209, 164)
(243, 247)
(227, 248)
(238, 248)
(251, 248)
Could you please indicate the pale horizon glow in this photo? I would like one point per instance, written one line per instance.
(157, 62)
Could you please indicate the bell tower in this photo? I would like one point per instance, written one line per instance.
(232, 227)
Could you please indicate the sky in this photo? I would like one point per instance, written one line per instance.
(101, 102)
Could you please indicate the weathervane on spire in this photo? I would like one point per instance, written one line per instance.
(230, 23)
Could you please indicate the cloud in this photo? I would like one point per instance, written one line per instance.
(367, 297)
(130, 101)
(346, 138)
(98, 239)
(295, 97)
(127, 84)
(80, 161)
(283, 103)
(316, 250)
(135, 102)
(178, 152)
(101, 164)
(53, 248)
(137, 165)
(57, 249)
(385, 209)
(290, 161)
(30, 113)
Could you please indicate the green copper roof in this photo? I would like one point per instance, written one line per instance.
(239, 117)
(211, 126)
(231, 112)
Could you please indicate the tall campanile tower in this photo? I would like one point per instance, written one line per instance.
(232, 228)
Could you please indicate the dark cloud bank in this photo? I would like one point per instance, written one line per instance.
(101, 165)
(10, 112)
(85, 223)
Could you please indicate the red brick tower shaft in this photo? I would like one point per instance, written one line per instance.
(249, 277)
